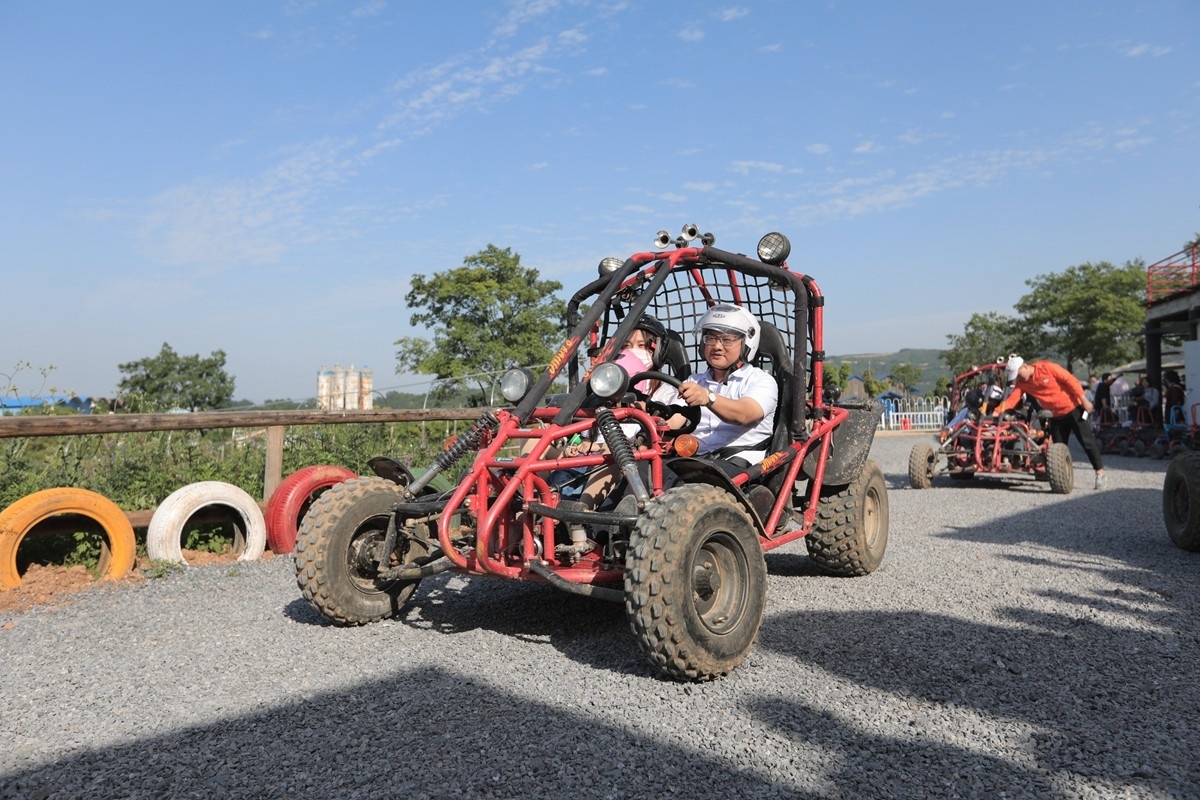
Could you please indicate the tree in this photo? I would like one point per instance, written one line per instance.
(871, 386)
(989, 336)
(942, 387)
(488, 315)
(833, 376)
(1089, 313)
(907, 375)
(170, 381)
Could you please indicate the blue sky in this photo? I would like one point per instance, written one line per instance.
(264, 178)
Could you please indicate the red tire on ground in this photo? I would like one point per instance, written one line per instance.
(117, 554)
(291, 499)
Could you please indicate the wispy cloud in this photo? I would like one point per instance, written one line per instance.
(732, 13)
(691, 33)
(868, 147)
(1143, 49)
(887, 189)
(746, 167)
(221, 225)
(818, 149)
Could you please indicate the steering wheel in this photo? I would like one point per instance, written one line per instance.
(691, 413)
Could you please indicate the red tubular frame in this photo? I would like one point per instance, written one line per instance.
(527, 484)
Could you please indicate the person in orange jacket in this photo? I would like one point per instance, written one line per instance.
(1060, 393)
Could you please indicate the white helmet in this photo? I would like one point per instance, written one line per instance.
(728, 318)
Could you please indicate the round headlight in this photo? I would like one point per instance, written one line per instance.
(608, 381)
(774, 248)
(515, 384)
(610, 265)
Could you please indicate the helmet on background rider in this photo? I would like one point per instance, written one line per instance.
(728, 318)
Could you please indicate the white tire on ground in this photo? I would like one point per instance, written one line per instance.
(164, 536)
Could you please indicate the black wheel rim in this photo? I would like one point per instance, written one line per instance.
(361, 557)
(720, 575)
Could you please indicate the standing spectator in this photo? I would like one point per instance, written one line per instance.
(1154, 401)
(1119, 395)
(1102, 400)
(1060, 393)
(1175, 399)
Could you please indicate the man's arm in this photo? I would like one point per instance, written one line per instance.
(742, 411)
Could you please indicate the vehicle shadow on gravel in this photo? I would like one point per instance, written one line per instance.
(1089, 690)
(425, 733)
(592, 632)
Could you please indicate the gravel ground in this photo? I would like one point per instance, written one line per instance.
(1014, 643)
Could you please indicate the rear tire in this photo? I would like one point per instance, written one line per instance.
(695, 582)
(335, 549)
(1181, 501)
(1060, 469)
(921, 463)
(850, 533)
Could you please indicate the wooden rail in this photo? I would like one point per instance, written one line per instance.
(273, 421)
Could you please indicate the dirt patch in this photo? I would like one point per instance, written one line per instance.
(52, 585)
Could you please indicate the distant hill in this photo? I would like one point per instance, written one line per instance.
(881, 364)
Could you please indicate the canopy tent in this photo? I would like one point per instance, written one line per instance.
(1171, 359)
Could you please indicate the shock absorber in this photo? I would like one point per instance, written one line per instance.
(470, 441)
(614, 437)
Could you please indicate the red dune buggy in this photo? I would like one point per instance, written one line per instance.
(680, 539)
(977, 442)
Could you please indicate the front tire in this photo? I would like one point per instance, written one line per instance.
(335, 556)
(850, 533)
(1060, 469)
(1181, 501)
(921, 462)
(695, 582)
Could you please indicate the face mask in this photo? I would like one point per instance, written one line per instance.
(645, 356)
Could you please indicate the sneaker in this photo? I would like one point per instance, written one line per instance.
(1101, 481)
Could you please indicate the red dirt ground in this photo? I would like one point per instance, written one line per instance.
(57, 585)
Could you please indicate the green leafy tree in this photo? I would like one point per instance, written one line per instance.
(988, 336)
(833, 376)
(942, 387)
(872, 386)
(169, 381)
(486, 316)
(1088, 313)
(907, 376)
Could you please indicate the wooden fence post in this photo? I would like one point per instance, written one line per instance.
(274, 469)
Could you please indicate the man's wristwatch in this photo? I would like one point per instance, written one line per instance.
(712, 398)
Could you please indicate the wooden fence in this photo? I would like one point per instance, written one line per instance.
(274, 421)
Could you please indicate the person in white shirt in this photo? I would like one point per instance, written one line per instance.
(737, 399)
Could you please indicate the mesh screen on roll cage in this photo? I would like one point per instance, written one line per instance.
(690, 291)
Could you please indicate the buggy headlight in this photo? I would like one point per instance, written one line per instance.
(608, 381)
(515, 383)
(610, 265)
(774, 248)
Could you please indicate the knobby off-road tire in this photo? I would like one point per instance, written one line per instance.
(116, 554)
(1181, 501)
(921, 463)
(165, 532)
(293, 497)
(1060, 469)
(335, 548)
(695, 583)
(850, 533)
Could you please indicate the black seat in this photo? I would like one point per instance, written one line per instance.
(672, 356)
(775, 357)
